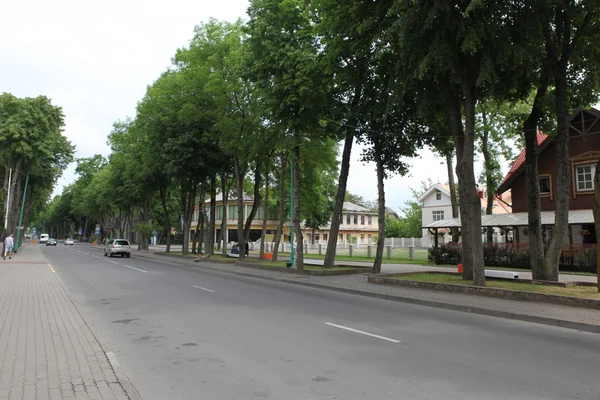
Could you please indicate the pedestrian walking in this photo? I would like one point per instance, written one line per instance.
(8, 246)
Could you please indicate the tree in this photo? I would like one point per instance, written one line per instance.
(597, 218)
(30, 137)
(573, 57)
(288, 68)
(466, 52)
(497, 122)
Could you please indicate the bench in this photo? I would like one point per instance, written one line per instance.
(492, 273)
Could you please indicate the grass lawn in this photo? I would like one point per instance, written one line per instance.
(513, 269)
(179, 253)
(419, 258)
(282, 264)
(588, 292)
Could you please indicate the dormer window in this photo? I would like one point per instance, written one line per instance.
(438, 194)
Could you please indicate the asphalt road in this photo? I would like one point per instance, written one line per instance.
(183, 333)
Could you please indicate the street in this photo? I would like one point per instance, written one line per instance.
(184, 333)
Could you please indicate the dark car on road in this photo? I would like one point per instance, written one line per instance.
(51, 242)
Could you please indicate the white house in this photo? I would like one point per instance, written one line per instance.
(437, 206)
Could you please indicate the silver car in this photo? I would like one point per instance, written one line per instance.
(117, 247)
(69, 242)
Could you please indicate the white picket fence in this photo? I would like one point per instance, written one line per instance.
(345, 247)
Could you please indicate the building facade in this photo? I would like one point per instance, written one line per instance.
(437, 206)
(358, 225)
(584, 153)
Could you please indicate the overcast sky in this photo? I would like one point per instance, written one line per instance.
(95, 60)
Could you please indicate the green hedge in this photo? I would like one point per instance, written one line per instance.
(509, 257)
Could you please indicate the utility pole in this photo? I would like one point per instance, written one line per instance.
(21, 216)
(292, 253)
(7, 200)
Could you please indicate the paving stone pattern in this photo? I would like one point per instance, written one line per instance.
(46, 349)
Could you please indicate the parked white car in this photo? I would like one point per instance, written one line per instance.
(44, 237)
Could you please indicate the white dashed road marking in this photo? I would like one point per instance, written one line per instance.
(362, 332)
(208, 290)
(137, 269)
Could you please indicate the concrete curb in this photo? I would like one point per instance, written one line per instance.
(409, 300)
(124, 381)
(490, 292)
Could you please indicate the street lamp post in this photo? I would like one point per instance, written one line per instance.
(292, 253)
(21, 216)
(8, 199)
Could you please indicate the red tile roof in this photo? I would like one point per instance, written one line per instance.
(520, 160)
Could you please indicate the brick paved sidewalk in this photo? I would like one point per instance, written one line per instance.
(551, 314)
(47, 351)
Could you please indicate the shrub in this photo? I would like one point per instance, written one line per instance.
(586, 260)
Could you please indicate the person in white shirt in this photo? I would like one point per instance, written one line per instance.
(8, 246)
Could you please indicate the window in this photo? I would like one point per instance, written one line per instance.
(348, 237)
(219, 212)
(370, 220)
(369, 237)
(362, 238)
(248, 209)
(317, 237)
(356, 220)
(585, 177)
(347, 219)
(362, 219)
(545, 187)
(341, 236)
(438, 195)
(438, 216)
(232, 213)
(325, 237)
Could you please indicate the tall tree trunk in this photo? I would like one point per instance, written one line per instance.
(534, 226)
(263, 233)
(453, 200)
(210, 247)
(167, 225)
(188, 203)
(240, 174)
(380, 206)
(224, 228)
(299, 256)
(201, 229)
(255, 203)
(196, 240)
(338, 207)
(281, 211)
(597, 220)
(563, 180)
(489, 176)
(466, 232)
(469, 183)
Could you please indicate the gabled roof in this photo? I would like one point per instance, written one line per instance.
(354, 207)
(576, 217)
(442, 188)
(517, 166)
